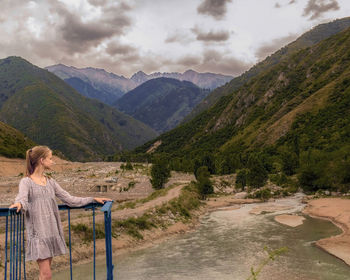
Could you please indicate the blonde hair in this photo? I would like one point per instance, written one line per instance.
(33, 157)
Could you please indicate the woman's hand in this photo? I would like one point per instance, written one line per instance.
(101, 199)
(18, 205)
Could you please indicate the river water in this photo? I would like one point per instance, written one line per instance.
(226, 245)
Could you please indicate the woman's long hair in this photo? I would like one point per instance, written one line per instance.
(33, 157)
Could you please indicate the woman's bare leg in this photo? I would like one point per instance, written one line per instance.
(45, 269)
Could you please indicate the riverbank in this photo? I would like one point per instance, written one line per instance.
(125, 243)
(336, 210)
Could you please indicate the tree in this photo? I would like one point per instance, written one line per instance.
(290, 162)
(257, 175)
(128, 166)
(160, 174)
(226, 163)
(208, 161)
(241, 179)
(308, 179)
(204, 184)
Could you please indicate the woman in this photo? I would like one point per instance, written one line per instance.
(36, 198)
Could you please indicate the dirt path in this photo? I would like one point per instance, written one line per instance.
(139, 211)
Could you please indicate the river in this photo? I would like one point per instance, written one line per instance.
(227, 244)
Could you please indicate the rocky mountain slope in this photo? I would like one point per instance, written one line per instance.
(46, 109)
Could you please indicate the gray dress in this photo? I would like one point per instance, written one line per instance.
(45, 237)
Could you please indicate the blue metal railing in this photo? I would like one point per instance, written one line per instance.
(15, 242)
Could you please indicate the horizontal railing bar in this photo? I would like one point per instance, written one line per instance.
(6, 211)
(87, 206)
(106, 207)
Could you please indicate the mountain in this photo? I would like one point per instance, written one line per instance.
(46, 109)
(161, 103)
(108, 87)
(310, 38)
(202, 80)
(293, 117)
(13, 143)
(89, 91)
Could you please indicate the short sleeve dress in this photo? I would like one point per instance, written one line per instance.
(45, 237)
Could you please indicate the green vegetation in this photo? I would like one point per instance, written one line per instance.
(263, 194)
(161, 103)
(308, 39)
(241, 179)
(127, 166)
(132, 226)
(13, 144)
(290, 122)
(160, 173)
(177, 209)
(204, 184)
(272, 255)
(155, 194)
(50, 112)
(86, 232)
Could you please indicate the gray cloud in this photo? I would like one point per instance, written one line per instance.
(274, 45)
(79, 36)
(315, 8)
(98, 2)
(116, 48)
(180, 37)
(189, 61)
(211, 36)
(183, 36)
(215, 8)
(278, 5)
(224, 63)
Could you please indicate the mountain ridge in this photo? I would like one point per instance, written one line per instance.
(293, 118)
(112, 86)
(309, 38)
(161, 103)
(49, 111)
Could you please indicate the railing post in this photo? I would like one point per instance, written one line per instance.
(7, 223)
(24, 251)
(94, 238)
(108, 238)
(70, 247)
(13, 235)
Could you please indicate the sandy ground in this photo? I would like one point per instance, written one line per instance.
(13, 167)
(80, 179)
(290, 220)
(336, 210)
(89, 174)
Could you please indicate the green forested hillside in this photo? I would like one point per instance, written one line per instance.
(308, 39)
(161, 103)
(50, 112)
(13, 144)
(291, 119)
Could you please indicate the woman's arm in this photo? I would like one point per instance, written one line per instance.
(72, 201)
(21, 200)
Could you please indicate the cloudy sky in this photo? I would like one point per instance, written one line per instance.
(123, 37)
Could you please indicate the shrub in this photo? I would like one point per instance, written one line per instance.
(241, 179)
(204, 184)
(86, 232)
(160, 174)
(257, 175)
(263, 194)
